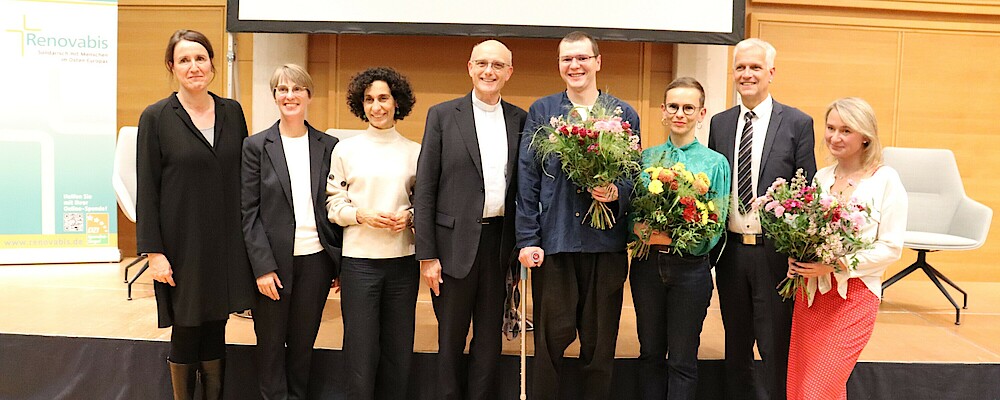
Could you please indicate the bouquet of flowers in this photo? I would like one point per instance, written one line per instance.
(593, 152)
(677, 202)
(810, 226)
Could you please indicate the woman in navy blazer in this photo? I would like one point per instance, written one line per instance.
(294, 250)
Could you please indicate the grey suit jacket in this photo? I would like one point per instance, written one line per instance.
(266, 197)
(449, 193)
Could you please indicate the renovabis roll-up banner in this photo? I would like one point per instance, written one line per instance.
(57, 131)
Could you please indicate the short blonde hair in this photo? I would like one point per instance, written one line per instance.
(858, 115)
(294, 73)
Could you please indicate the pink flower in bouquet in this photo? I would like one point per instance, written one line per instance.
(592, 152)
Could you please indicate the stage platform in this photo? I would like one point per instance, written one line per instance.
(68, 332)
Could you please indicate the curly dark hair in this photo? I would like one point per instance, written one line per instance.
(399, 86)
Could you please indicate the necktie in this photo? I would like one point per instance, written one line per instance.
(744, 187)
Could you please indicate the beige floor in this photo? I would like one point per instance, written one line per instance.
(915, 323)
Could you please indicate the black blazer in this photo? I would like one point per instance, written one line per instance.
(449, 194)
(788, 146)
(268, 217)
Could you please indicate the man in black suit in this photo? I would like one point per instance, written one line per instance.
(464, 219)
(763, 140)
(294, 250)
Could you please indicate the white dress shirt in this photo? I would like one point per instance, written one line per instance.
(749, 222)
(491, 130)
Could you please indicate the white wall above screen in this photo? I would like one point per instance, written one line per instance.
(702, 21)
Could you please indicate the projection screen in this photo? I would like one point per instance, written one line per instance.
(692, 21)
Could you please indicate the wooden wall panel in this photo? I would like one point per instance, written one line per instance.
(143, 32)
(436, 67)
(949, 99)
(930, 80)
(818, 63)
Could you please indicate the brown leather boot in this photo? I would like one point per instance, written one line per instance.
(183, 377)
(213, 373)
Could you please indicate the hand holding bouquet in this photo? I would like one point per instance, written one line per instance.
(676, 202)
(810, 226)
(593, 152)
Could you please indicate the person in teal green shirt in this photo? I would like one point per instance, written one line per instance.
(671, 287)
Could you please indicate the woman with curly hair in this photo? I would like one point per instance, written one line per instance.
(369, 189)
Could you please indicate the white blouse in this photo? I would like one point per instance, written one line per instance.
(884, 193)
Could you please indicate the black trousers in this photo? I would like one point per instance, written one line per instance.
(671, 295)
(286, 329)
(753, 310)
(577, 293)
(478, 298)
(378, 298)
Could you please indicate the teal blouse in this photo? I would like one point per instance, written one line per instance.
(696, 158)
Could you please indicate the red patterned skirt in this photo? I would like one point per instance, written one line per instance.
(827, 339)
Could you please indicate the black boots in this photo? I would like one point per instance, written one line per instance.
(213, 373)
(184, 376)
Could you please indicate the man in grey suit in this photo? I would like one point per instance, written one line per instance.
(763, 140)
(464, 219)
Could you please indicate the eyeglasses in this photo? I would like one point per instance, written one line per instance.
(579, 59)
(283, 90)
(497, 65)
(687, 108)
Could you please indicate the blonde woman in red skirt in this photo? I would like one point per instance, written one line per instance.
(835, 313)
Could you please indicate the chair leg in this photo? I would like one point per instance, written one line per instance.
(135, 278)
(936, 277)
(134, 262)
(937, 282)
(901, 274)
(965, 296)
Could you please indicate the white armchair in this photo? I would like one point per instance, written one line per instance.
(941, 216)
(123, 179)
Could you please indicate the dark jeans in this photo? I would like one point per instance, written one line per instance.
(671, 295)
(577, 293)
(292, 321)
(378, 298)
(752, 311)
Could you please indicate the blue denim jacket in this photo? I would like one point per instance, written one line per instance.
(550, 208)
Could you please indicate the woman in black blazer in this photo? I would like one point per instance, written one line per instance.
(294, 249)
(188, 218)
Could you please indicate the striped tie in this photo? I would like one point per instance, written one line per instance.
(744, 187)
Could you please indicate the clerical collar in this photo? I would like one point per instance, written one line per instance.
(482, 104)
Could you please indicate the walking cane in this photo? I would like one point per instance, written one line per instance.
(535, 257)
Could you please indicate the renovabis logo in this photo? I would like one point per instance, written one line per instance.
(33, 37)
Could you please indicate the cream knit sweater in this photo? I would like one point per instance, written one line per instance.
(375, 170)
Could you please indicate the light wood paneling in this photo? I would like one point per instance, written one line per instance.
(817, 64)
(436, 67)
(980, 7)
(143, 32)
(930, 81)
